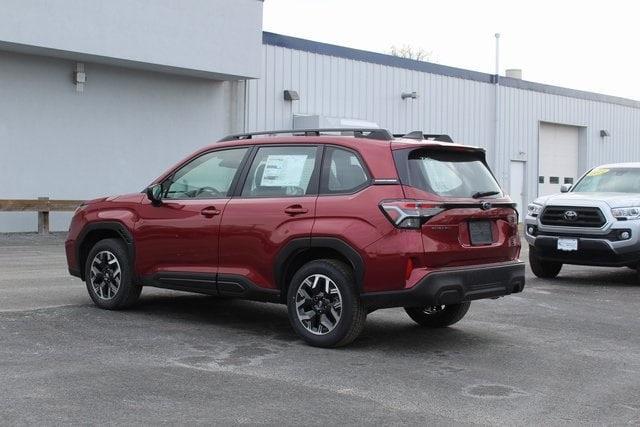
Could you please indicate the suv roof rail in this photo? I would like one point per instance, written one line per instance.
(370, 133)
(419, 135)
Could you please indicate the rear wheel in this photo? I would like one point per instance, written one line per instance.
(324, 308)
(543, 269)
(108, 276)
(438, 316)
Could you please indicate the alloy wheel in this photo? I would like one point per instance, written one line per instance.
(318, 304)
(105, 275)
(433, 309)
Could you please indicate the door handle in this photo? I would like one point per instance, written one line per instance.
(209, 212)
(295, 210)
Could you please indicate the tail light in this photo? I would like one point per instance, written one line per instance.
(409, 213)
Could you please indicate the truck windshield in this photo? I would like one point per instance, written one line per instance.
(610, 180)
(451, 174)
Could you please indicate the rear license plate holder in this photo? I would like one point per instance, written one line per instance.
(480, 233)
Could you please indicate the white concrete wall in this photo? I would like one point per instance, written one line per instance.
(210, 38)
(125, 129)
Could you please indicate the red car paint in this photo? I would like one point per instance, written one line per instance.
(247, 237)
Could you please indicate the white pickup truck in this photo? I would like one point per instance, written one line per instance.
(594, 222)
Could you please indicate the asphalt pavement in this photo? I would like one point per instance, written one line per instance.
(565, 351)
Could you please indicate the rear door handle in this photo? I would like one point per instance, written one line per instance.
(210, 212)
(295, 210)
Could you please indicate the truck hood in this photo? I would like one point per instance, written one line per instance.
(614, 200)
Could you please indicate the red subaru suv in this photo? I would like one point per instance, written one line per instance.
(333, 223)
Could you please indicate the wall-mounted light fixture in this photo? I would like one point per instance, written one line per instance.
(79, 77)
(604, 133)
(291, 95)
(412, 95)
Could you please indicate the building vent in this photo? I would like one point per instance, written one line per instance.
(514, 73)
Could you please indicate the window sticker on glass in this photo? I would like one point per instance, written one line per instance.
(283, 170)
(598, 172)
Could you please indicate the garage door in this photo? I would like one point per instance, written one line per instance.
(557, 157)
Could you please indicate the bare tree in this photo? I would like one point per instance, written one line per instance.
(409, 52)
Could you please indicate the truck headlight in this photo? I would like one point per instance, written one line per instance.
(534, 209)
(626, 213)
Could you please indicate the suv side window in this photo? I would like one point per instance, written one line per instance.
(342, 172)
(206, 177)
(281, 172)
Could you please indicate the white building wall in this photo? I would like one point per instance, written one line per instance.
(122, 131)
(521, 111)
(207, 38)
(339, 87)
(465, 109)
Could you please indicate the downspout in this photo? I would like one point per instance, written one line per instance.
(246, 106)
(496, 122)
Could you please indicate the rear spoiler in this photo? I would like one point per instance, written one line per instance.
(420, 136)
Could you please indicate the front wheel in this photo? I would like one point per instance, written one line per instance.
(543, 269)
(108, 276)
(324, 308)
(438, 316)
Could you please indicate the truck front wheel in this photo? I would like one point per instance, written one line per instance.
(543, 269)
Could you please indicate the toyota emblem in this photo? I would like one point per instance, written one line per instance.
(570, 215)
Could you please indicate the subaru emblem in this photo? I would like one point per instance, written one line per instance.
(570, 215)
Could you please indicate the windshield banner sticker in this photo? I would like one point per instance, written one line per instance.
(598, 172)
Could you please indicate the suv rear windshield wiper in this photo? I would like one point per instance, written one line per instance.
(484, 194)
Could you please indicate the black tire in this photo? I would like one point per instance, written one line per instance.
(440, 316)
(127, 292)
(543, 269)
(353, 312)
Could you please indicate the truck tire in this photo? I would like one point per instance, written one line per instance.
(543, 269)
(324, 307)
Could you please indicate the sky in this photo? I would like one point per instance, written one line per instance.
(587, 45)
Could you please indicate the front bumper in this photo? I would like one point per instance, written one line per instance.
(453, 286)
(597, 247)
(590, 251)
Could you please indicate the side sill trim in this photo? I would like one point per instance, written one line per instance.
(225, 285)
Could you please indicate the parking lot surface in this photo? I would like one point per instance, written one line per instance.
(563, 351)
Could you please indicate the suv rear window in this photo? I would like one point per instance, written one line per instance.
(446, 173)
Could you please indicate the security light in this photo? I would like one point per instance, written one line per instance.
(291, 95)
(604, 133)
(412, 95)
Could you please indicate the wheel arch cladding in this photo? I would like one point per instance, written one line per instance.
(298, 252)
(96, 231)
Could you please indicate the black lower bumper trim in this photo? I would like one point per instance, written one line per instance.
(590, 252)
(453, 286)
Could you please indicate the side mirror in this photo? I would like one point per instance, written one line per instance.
(154, 193)
(564, 188)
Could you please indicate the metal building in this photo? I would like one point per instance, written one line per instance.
(94, 101)
(541, 137)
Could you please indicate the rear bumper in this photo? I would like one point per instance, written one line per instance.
(453, 286)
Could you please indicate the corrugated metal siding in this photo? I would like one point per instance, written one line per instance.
(521, 111)
(340, 87)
